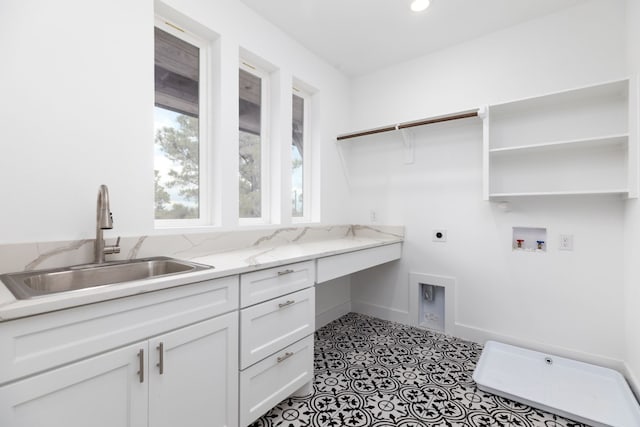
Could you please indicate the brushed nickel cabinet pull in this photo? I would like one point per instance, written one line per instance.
(160, 363)
(141, 365)
(283, 272)
(285, 304)
(285, 357)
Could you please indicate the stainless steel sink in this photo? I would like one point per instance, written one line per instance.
(32, 284)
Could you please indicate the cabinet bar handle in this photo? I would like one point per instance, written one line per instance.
(160, 363)
(284, 304)
(285, 357)
(141, 365)
(283, 272)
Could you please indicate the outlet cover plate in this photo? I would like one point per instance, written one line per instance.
(566, 242)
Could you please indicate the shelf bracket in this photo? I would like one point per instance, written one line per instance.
(343, 163)
(482, 111)
(408, 141)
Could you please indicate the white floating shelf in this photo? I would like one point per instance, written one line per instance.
(569, 143)
(562, 193)
(616, 88)
(602, 141)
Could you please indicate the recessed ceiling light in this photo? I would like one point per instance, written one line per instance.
(420, 5)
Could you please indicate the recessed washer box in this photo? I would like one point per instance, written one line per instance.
(529, 239)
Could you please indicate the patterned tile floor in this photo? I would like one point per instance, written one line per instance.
(371, 372)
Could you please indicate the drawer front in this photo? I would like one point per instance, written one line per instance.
(341, 265)
(37, 343)
(271, 283)
(269, 327)
(265, 384)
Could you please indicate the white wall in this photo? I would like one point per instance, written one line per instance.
(77, 111)
(572, 48)
(632, 219)
(333, 300)
(569, 302)
(77, 86)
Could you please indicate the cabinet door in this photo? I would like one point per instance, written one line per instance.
(103, 391)
(193, 379)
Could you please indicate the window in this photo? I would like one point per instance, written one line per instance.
(253, 149)
(180, 139)
(300, 155)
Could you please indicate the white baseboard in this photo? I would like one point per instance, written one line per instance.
(384, 313)
(332, 314)
(480, 336)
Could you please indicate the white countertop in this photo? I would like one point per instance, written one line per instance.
(225, 263)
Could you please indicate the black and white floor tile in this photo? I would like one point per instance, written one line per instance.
(371, 372)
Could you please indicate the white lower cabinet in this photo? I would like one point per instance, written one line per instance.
(47, 341)
(276, 338)
(99, 365)
(124, 387)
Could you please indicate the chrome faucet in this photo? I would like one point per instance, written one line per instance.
(104, 221)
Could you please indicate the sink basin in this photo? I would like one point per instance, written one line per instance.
(31, 284)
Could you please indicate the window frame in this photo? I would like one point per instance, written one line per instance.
(306, 159)
(205, 185)
(265, 145)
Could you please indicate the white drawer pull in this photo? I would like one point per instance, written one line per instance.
(285, 357)
(282, 273)
(285, 304)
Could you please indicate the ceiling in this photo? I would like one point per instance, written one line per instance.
(361, 36)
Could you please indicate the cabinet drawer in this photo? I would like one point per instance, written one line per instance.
(34, 344)
(272, 325)
(265, 384)
(273, 282)
(335, 266)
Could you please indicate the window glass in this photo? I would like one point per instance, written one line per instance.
(177, 128)
(297, 158)
(250, 148)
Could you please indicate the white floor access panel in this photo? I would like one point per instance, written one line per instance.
(582, 392)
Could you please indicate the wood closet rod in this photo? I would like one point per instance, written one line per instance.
(406, 125)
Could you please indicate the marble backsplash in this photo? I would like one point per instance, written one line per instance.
(41, 255)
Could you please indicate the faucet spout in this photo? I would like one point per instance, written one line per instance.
(104, 218)
(104, 221)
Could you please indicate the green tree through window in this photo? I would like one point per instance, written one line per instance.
(177, 197)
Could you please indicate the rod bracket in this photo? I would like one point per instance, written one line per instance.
(408, 141)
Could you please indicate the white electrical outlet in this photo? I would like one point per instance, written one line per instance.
(566, 242)
(439, 235)
(373, 216)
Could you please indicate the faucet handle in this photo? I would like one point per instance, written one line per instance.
(113, 249)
